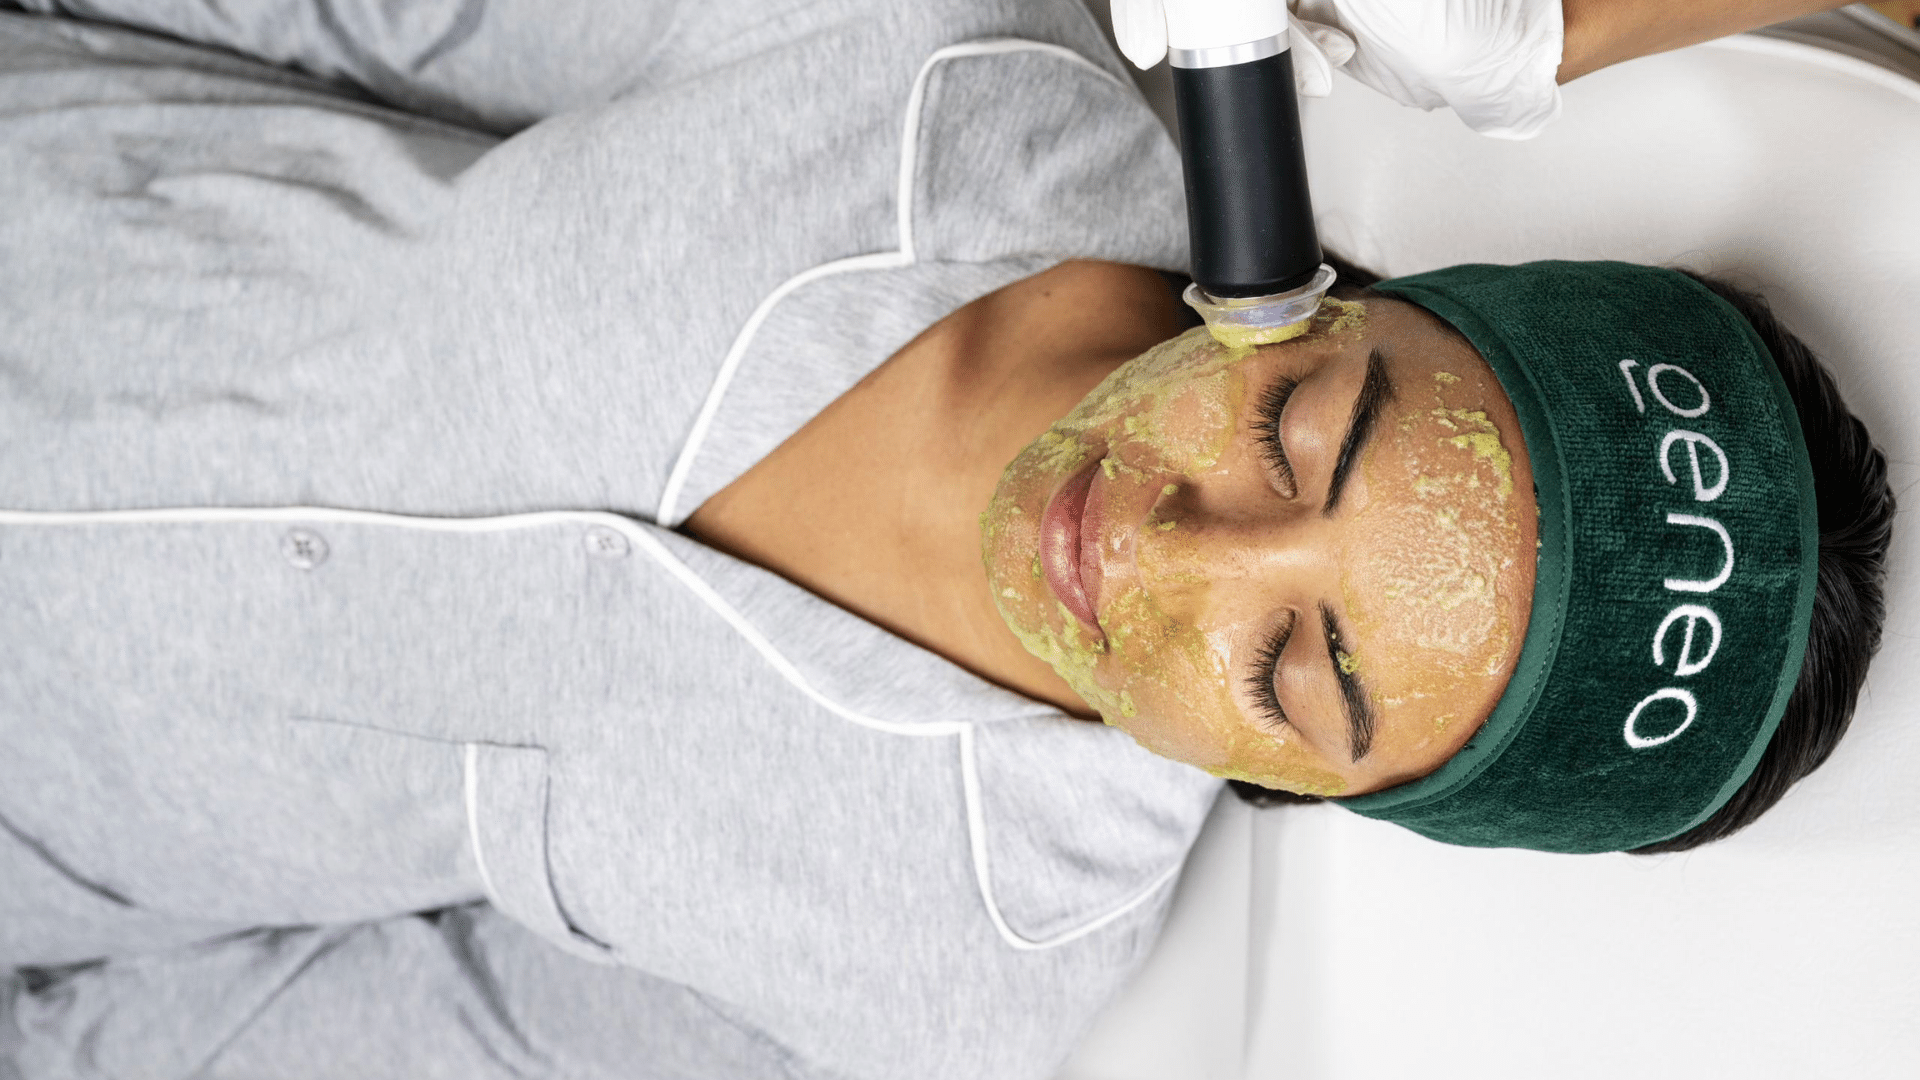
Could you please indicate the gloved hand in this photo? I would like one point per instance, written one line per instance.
(1492, 61)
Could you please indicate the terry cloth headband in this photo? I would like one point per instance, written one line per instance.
(1678, 550)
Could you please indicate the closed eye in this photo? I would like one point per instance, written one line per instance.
(1266, 431)
(1260, 680)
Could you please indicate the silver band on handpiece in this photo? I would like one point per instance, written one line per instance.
(1229, 55)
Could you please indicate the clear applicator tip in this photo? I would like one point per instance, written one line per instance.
(1241, 321)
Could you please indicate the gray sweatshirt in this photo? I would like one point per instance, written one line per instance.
(363, 714)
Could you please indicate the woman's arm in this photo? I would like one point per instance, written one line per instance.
(1604, 32)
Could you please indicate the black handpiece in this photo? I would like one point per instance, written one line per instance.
(1249, 216)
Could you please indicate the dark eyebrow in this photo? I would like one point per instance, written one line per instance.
(1375, 392)
(1354, 699)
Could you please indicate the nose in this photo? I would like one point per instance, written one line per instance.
(1202, 550)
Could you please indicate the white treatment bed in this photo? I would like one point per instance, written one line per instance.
(1310, 943)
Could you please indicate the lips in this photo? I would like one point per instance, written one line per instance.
(1069, 543)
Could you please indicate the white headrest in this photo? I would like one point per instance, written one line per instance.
(1786, 168)
(1788, 950)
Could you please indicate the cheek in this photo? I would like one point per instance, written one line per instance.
(1178, 685)
(1183, 428)
(1171, 682)
(1171, 410)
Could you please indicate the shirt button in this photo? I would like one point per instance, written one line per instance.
(605, 543)
(304, 548)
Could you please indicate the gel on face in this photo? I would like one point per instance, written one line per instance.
(1424, 559)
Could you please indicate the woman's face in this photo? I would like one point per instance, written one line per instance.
(1308, 565)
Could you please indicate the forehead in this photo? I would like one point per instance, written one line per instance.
(1437, 575)
(1425, 337)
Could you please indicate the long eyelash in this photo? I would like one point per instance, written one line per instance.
(1260, 682)
(1266, 429)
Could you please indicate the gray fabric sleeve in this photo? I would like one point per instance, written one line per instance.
(462, 994)
(10, 988)
(501, 65)
(497, 65)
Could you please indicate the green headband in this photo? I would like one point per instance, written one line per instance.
(1678, 550)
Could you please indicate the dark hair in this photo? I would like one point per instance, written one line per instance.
(1856, 524)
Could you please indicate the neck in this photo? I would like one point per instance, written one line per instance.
(874, 503)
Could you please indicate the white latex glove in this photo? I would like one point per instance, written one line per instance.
(1492, 61)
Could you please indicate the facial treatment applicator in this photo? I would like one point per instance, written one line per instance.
(1257, 270)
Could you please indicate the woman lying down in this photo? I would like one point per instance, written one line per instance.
(578, 544)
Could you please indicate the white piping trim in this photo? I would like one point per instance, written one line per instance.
(773, 656)
(640, 537)
(977, 835)
(242, 515)
(903, 255)
(507, 522)
(471, 785)
(969, 771)
(683, 465)
(916, 101)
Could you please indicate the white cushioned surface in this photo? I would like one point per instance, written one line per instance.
(1792, 950)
